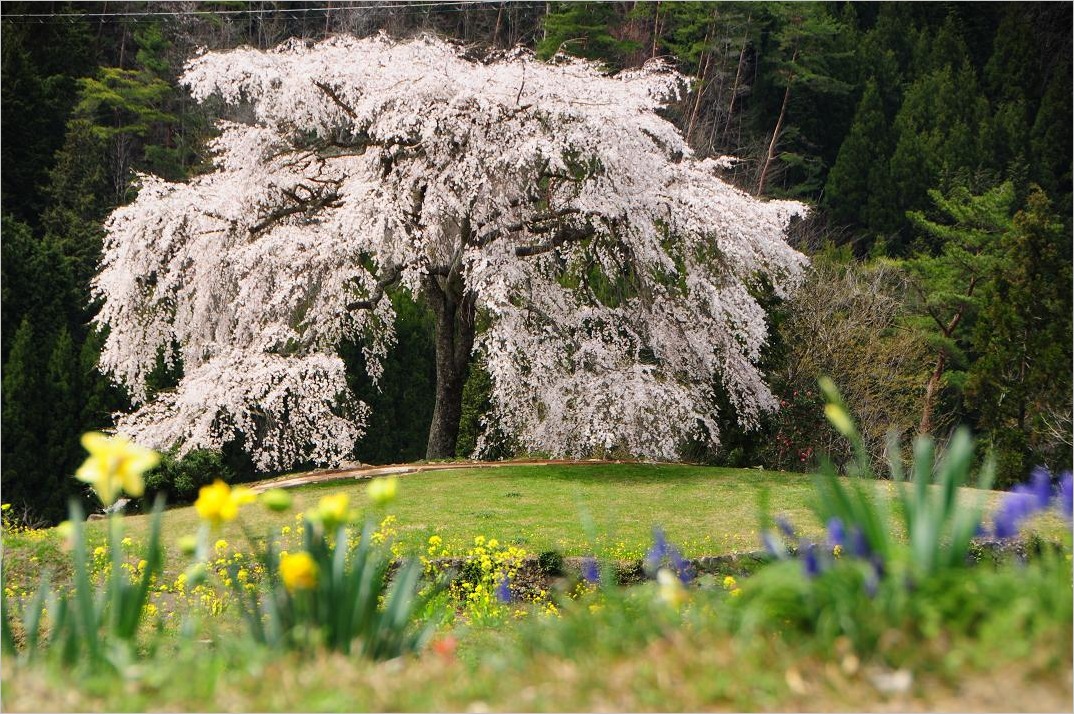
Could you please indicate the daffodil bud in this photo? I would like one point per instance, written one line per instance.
(188, 545)
(276, 499)
(382, 491)
(839, 419)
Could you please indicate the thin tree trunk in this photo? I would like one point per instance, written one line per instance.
(656, 29)
(931, 390)
(734, 87)
(703, 67)
(933, 386)
(775, 133)
(496, 30)
(454, 312)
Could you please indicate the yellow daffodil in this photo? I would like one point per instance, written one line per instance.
(219, 503)
(115, 464)
(382, 491)
(332, 511)
(298, 571)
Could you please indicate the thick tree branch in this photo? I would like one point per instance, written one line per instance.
(565, 235)
(387, 280)
(336, 99)
(329, 200)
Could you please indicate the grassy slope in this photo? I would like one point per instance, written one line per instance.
(606, 509)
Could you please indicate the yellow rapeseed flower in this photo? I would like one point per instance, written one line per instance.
(219, 503)
(298, 570)
(729, 583)
(115, 464)
(382, 491)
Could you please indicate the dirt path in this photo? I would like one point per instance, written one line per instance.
(366, 472)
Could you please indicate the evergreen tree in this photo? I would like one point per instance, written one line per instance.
(858, 190)
(953, 276)
(583, 29)
(1051, 145)
(1021, 377)
(38, 88)
(24, 424)
(805, 57)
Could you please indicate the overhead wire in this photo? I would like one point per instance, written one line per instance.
(291, 12)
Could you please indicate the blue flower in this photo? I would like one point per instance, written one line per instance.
(786, 527)
(810, 562)
(662, 551)
(1041, 487)
(859, 544)
(773, 545)
(1065, 496)
(503, 590)
(1017, 506)
(657, 552)
(836, 532)
(590, 571)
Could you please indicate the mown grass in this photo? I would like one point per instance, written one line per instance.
(607, 510)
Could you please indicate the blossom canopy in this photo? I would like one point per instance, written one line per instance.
(613, 269)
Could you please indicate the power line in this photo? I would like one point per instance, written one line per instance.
(453, 6)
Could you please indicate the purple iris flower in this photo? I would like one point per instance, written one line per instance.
(1041, 486)
(657, 552)
(773, 546)
(590, 572)
(859, 545)
(503, 590)
(1066, 496)
(662, 551)
(1017, 506)
(836, 532)
(810, 561)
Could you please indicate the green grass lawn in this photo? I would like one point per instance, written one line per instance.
(608, 510)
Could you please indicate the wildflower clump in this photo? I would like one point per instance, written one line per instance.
(485, 588)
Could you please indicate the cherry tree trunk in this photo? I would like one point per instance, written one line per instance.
(454, 312)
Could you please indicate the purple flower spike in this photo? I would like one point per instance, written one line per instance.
(859, 545)
(590, 571)
(1041, 487)
(657, 552)
(836, 532)
(1017, 506)
(503, 590)
(810, 561)
(1066, 496)
(785, 527)
(680, 565)
(771, 545)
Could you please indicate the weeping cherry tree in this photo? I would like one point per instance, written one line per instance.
(612, 268)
